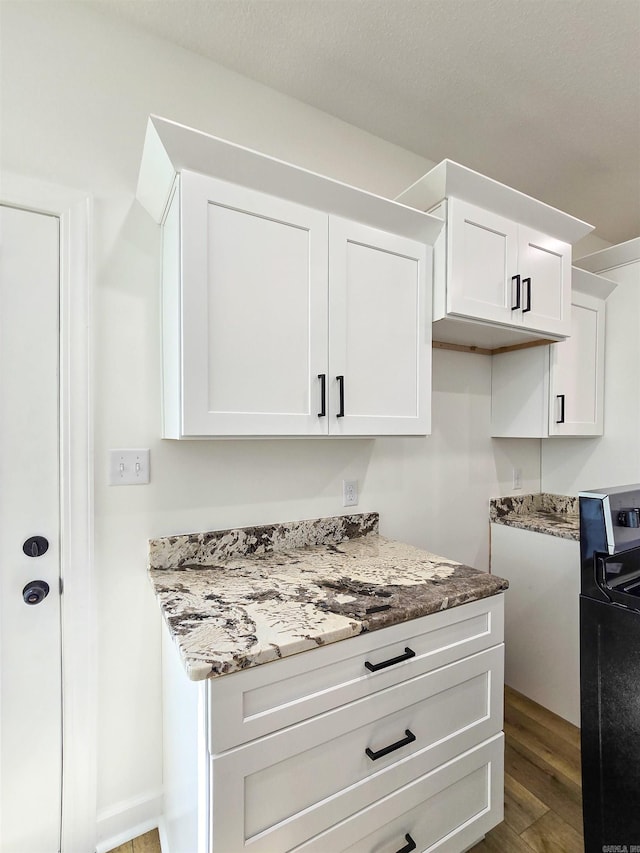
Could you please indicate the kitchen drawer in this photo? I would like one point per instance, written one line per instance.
(266, 698)
(447, 810)
(289, 786)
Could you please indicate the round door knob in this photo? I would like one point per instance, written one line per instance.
(35, 546)
(35, 592)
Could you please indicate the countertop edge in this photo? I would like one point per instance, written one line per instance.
(534, 526)
(540, 512)
(201, 670)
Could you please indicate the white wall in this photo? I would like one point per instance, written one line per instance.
(570, 465)
(76, 92)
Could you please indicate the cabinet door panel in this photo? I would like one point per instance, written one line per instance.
(261, 700)
(380, 331)
(547, 263)
(299, 781)
(447, 810)
(577, 371)
(274, 794)
(520, 393)
(481, 259)
(254, 312)
(247, 286)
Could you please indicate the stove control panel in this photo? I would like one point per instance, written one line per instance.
(629, 517)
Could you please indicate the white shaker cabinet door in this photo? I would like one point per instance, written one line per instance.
(254, 312)
(577, 372)
(544, 265)
(482, 257)
(556, 389)
(379, 332)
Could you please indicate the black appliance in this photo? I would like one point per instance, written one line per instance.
(610, 667)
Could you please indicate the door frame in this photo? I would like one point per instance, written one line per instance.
(78, 601)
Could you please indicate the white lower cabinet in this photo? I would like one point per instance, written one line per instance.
(447, 810)
(318, 752)
(542, 620)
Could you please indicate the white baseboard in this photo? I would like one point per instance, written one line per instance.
(128, 819)
(162, 832)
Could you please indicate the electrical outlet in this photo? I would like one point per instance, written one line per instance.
(128, 467)
(350, 492)
(517, 478)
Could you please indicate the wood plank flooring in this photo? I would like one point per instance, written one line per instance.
(542, 783)
(542, 796)
(147, 843)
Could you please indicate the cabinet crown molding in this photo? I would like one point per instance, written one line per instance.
(591, 284)
(170, 147)
(450, 179)
(611, 257)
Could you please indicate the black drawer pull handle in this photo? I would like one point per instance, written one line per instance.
(323, 395)
(374, 667)
(409, 846)
(515, 278)
(409, 738)
(560, 420)
(527, 282)
(340, 380)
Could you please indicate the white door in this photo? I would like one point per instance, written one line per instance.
(254, 312)
(482, 258)
(30, 645)
(379, 332)
(544, 264)
(577, 371)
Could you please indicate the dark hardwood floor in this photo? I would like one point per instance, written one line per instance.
(542, 797)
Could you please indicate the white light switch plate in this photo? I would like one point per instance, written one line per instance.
(128, 467)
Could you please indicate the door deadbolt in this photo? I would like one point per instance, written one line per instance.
(35, 546)
(35, 592)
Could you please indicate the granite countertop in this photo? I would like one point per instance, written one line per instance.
(238, 598)
(555, 515)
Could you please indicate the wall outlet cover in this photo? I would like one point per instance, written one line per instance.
(350, 492)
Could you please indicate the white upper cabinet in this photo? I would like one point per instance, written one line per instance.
(379, 354)
(482, 253)
(502, 266)
(254, 312)
(544, 265)
(301, 312)
(576, 371)
(558, 389)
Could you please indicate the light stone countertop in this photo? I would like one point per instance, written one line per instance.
(239, 598)
(554, 515)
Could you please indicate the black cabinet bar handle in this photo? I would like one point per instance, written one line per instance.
(374, 667)
(323, 395)
(341, 392)
(409, 846)
(561, 418)
(515, 278)
(527, 282)
(409, 738)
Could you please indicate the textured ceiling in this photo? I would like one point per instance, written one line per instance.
(543, 95)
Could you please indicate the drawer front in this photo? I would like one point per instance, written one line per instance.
(447, 810)
(292, 785)
(247, 705)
